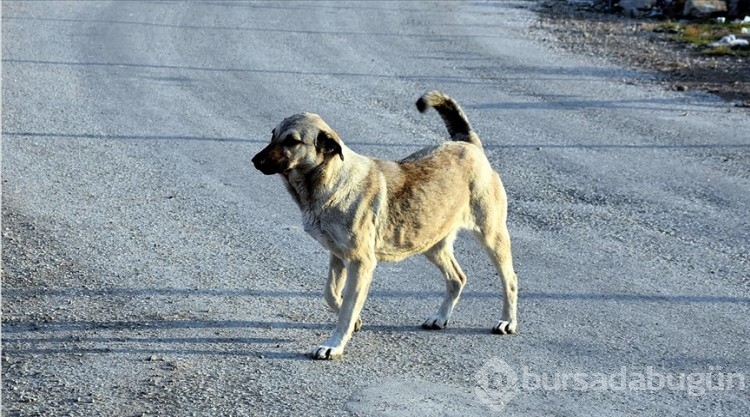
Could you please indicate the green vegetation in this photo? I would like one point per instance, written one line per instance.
(702, 34)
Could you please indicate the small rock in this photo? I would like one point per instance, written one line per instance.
(636, 7)
(698, 8)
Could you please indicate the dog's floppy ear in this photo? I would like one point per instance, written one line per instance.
(329, 143)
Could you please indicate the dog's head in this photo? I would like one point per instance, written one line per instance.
(301, 142)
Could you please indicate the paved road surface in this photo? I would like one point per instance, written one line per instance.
(150, 270)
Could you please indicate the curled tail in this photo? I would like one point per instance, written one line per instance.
(455, 120)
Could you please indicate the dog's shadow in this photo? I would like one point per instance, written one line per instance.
(418, 329)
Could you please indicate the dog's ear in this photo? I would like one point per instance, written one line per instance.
(329, 143)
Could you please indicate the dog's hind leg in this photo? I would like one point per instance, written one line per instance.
(496, 241)
(335, 285)
(455, 279)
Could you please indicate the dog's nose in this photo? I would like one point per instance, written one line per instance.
(259, 160)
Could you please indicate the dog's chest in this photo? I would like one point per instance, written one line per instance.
(316, 228)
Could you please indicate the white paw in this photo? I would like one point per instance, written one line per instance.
(435, 322)
(504, 327)
(326, 352)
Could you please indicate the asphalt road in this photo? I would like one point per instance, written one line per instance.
(148, 269)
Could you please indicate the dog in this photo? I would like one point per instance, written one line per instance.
(366, 210)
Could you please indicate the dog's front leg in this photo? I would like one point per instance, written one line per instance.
(358, 279)
(334, 286)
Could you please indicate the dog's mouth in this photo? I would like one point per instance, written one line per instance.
(268, 171)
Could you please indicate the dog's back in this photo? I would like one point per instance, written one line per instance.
(433, 192)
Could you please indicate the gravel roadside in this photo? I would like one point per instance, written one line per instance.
(634, 43)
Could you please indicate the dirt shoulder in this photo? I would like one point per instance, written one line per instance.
(635, 43)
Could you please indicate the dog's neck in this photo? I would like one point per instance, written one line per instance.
(301, 186)
(313, 190)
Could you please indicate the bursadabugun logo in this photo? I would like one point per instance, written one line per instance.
(497, 382)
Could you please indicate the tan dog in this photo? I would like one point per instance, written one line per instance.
(366, 210)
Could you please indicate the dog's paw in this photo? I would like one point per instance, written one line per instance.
(323, 352)
(358, 324)
(435, 322)
(504, 327)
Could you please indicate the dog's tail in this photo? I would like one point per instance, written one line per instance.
(455, 120)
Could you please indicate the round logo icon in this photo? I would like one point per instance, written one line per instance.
(497, 384)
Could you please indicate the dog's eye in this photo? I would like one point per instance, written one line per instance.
(290, 141)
